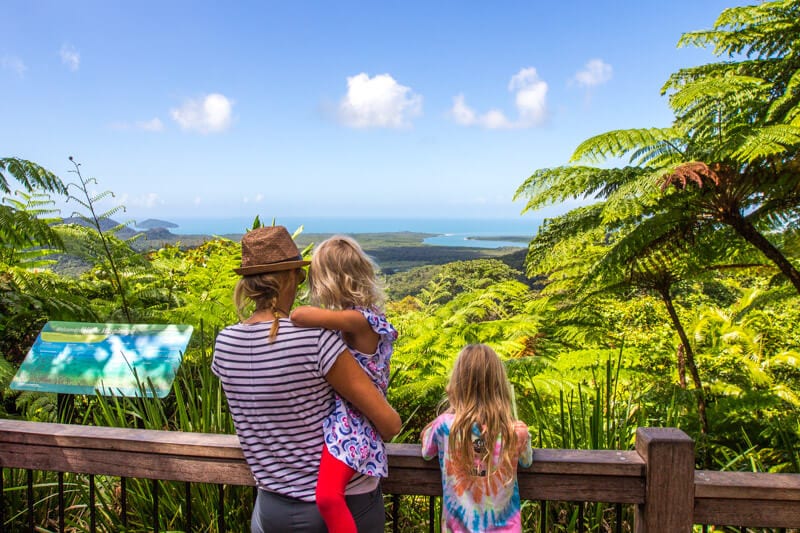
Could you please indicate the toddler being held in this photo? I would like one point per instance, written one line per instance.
(348, 298)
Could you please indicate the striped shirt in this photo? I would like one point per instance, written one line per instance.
(278, 398)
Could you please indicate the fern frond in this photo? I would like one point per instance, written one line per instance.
(763, 30)
(30, 175)
(553, 185)
(786, 106)
(767, 141)
(19, 230)
(617, 143)
(111, 212)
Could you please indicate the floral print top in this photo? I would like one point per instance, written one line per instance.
(472, 503)
(349, 436)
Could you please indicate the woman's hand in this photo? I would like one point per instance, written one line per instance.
(352, 383)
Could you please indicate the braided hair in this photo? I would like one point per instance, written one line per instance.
(263, 290)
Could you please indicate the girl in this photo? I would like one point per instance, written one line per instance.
(343, 283)
(479, 445)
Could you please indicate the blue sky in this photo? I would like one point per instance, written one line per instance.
(410, 109)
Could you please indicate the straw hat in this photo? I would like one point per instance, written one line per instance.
(269, 249)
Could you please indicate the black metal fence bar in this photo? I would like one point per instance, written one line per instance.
(542, 516)
(155, 506)
(30, 499)
(431, 513)
(61, 504)
(221, 509)
(92, 506)
(395, 513)
(123, 495)
(188, 493)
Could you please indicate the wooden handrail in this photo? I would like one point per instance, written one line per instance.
(760, 500)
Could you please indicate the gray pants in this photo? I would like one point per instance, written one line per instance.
(274, 513)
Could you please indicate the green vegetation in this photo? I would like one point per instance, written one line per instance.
(671, 299)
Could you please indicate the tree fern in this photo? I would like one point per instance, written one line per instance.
(618, 143)
(89, 202)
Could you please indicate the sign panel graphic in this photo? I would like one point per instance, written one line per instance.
(113, 359)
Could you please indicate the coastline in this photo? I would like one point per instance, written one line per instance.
(394, 251)
(518, 226)
(490, 233)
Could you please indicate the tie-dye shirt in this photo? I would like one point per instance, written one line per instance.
(470, 503)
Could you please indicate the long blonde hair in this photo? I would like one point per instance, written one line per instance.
(343, 276)
(479, 393)
(263, 290)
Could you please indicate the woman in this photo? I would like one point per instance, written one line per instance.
(279, 380)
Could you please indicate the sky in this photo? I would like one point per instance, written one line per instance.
(346, 108)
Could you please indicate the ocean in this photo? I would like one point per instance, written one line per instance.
(475, 233)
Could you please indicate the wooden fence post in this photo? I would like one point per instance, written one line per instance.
(668, 454)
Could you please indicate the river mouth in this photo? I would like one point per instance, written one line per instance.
(472, 240)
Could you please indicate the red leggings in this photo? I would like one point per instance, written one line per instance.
(333, 478)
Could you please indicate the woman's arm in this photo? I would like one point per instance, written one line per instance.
(353, 324)
(351, 382)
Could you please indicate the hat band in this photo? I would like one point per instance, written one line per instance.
(298, 257)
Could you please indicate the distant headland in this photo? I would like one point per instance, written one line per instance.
(153, 223)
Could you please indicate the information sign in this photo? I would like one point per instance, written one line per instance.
(112, 359)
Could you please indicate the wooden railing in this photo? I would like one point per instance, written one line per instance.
(658, 477)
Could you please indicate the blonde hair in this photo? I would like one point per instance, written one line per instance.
(263, 290)
(479, 393)
(343, 276)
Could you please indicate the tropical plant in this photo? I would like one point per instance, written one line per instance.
(19, 225)
(728, 159)
(109, 254)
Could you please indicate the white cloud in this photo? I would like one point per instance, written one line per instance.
(147, 200)
(530, 101)
(70, 57)
(378, 102)
(531, 97)
(209, 114)
(198, 200)
(596, 72)
(13, 64)
(461, 112)
(257, 199)
(154, 124)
